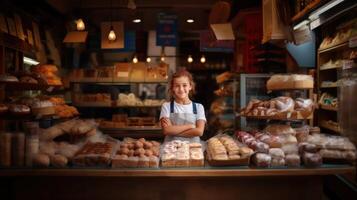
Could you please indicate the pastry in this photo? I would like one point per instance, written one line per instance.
(42, 108)
(8, 78)
(18, 109)
(279, 129)
(3, 108)
(262, 159)
(292, 160)
(312, 159)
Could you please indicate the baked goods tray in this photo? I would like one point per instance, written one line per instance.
(296, 85)
(283, 116)
(134, 128)
(218, 163)
(29, 86)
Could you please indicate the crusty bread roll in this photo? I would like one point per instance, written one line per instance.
(279, 129)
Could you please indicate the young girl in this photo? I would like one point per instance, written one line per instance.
(181, 118)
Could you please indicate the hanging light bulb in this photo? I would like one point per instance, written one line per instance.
(135, 59)
(148, 59)
(162, 58)
(111, 35)
(189, 59)
(80, 24)
(203, 59)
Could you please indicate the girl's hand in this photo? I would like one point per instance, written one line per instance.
(165, 122)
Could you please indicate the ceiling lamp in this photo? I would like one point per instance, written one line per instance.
(203, 59)
(111, 35)
(80, 24)
(131, 4)
(148, 59)
(135, 59)
(162, 58)
(137, 20)
(189, 59)
(190, 21)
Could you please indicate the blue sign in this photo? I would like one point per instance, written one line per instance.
(166, 30)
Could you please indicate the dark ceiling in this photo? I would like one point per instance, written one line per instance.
(95, 11)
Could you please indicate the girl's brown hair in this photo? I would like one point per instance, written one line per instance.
(181, 73)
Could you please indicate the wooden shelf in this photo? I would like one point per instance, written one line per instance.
(110, 105)
(134, 132)
(326, 125)
(280, 117)
(333, 48)
(29, 86)
(95, 81)
(328, 68)
(325, 107)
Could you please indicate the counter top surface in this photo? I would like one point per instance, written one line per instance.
(179, 172)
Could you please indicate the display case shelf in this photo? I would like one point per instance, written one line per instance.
(111, 105)
(326, 125)
(330, 108)
(30, 86)
(334, 48)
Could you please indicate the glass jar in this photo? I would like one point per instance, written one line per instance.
(32, 145)
(5, 149)
(18, 149)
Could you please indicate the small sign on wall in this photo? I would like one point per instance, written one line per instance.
(118, 28)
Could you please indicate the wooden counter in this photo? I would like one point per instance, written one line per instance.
(182, 172)
(170, 183)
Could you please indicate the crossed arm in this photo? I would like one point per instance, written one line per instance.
(187, 130)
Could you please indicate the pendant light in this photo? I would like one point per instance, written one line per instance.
(203, 59)
(135, 59)
(162, 58)
(111, 36)
(189, 59)
(148, 59)
(80, 24)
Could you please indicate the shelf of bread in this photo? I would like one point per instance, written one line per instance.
(37, 108)
(330, 125)
(334, 47)
(290, 82)
(310, 7)
(121, 122)
(280, 108)
(122, 73)
(329, 107)
(223, 150)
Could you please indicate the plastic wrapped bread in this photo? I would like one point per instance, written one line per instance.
(312, 159)
(262, 159)
(252, 143)
(292, 160)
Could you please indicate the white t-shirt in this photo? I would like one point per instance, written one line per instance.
(181, 108)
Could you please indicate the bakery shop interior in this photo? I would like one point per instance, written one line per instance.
(207, 99)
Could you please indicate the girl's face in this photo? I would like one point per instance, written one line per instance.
(181, 87)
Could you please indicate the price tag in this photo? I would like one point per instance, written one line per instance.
(347, 64)
(352, 42)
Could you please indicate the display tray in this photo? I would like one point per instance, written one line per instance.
(218, 163)
(284, 116)
(133, 128)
